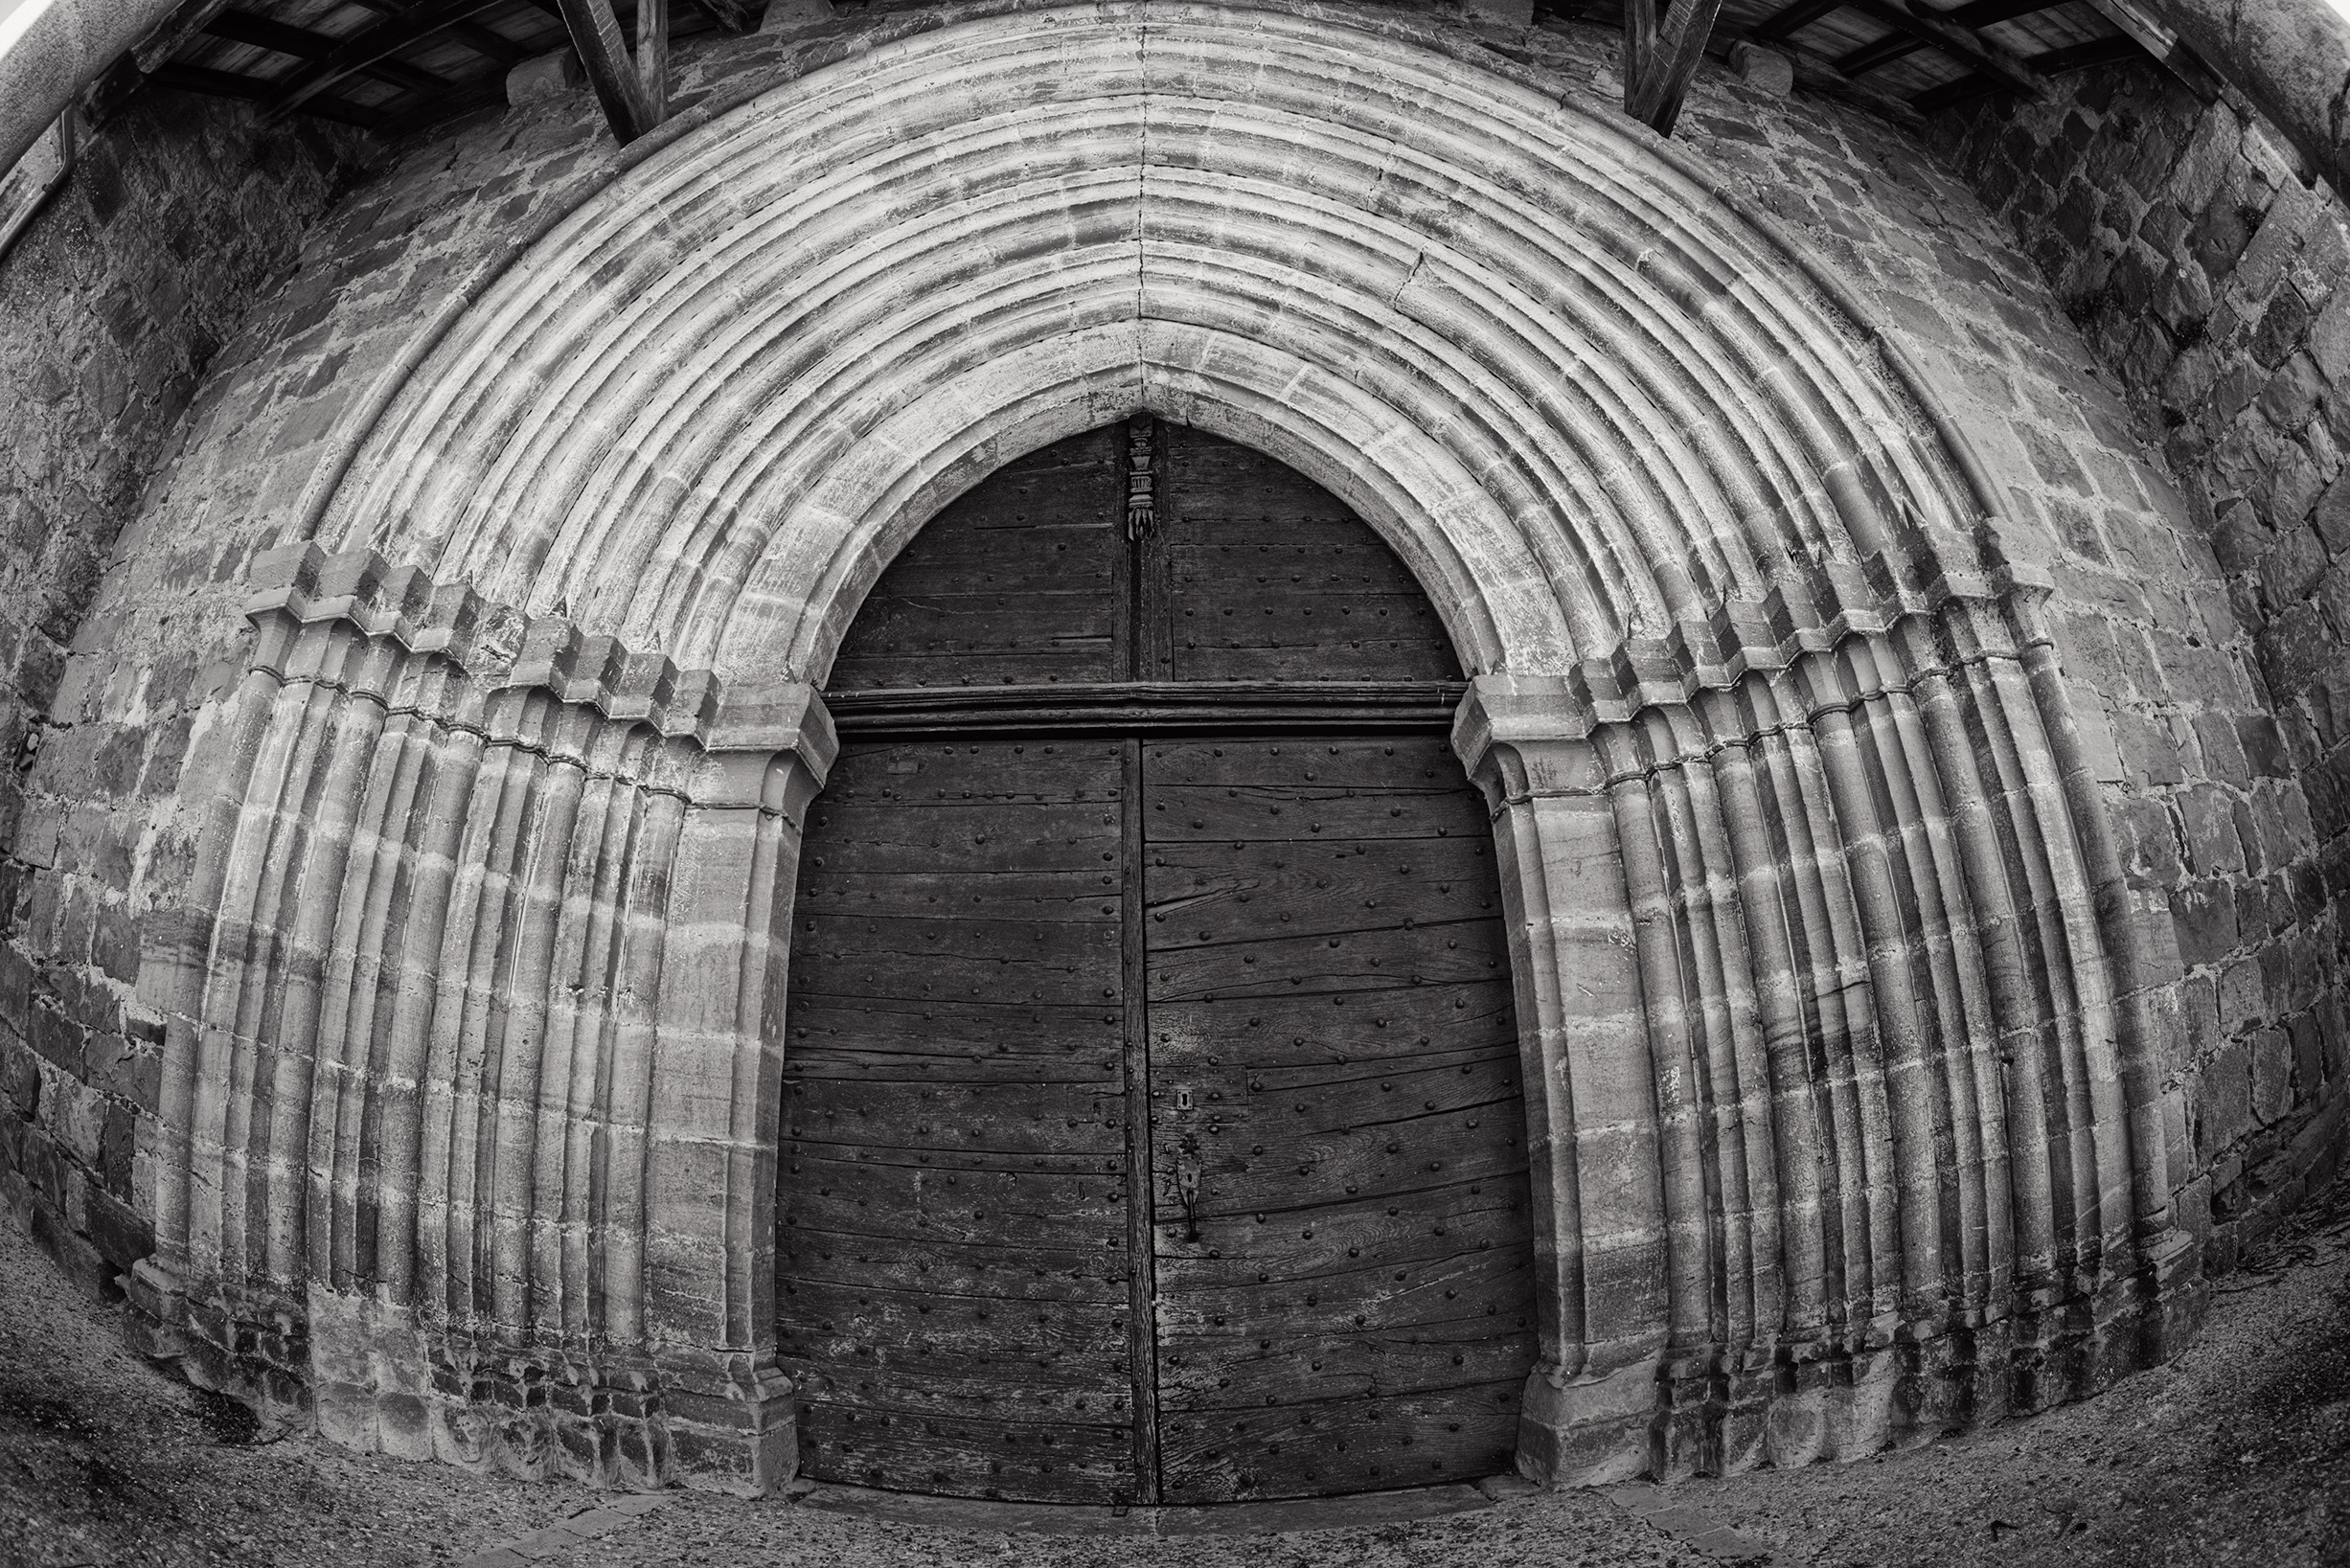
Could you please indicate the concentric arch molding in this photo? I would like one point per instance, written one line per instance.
(1610, 421)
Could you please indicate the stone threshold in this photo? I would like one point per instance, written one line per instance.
(1288, 1516)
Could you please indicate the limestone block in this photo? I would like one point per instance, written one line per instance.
(1766, 70)
(545, 77)
(1589, 1431)
(2272, 1057)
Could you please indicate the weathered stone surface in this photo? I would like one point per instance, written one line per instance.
(1952, 718)
(2242, 372)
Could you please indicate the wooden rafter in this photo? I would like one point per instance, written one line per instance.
(633, 90)
(1792, 19)
(2080, 56)
(1893, 46)
(1991, 13)
(303, 44)
(1962, 44)
(1660, 56)
(213, 83)
(367, 47)
(488, 45)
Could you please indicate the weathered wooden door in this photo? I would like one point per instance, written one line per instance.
(1152, 1129)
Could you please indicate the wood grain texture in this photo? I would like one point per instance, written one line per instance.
(1010, 581)
(1270, 577)
(952, 1221)
(1061, 960)
(1378, 1193)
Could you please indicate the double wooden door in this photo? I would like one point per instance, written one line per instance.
(1153, 1128)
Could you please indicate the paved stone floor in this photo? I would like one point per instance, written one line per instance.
(2237, 1453)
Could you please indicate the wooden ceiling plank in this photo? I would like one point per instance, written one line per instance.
(489, 43)
(2080, 56)
(1992, 12)
(1794, 19)
(178, 30)
(368, 46)
(213, 83)
(303, 44)
(1884, 51)
(1959, 43)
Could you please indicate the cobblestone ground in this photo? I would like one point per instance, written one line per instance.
(2237, 1453)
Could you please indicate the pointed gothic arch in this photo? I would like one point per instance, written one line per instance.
(1848, 1114)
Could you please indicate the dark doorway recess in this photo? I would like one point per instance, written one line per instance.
(1152, 1129)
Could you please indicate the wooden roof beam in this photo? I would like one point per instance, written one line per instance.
(1961, 44)
(1883, 51)
(1991, 13)
(212, 83)
(634, 92)
(368, 46)
(2080, 56)
(302, 44)
(490, 45)
(1660, 57)
(1792, 19)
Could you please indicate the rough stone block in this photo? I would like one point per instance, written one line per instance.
(546, 77)
(787, 16)
(2272, 1051)
(2223, 1094)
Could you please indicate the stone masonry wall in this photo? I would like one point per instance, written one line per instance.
(2162, 669)
(114, 305)
(2163, 674)
(2210, 279)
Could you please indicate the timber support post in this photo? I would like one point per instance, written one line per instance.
(1660, 56)
(635, 91)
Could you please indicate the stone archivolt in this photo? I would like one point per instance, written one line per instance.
(1843, 1121)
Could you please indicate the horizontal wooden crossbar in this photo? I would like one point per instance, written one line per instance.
(1133, 707)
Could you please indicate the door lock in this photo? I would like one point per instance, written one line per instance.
(1187, 1188)
(1183, 1097)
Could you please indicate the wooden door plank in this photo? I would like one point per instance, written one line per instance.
(1063, 963)
(1315, 889)
(909, 1042)
(989, 1209)
(1014, 1342)
(1023, 1461)
(1366, 967)
(1010, 581)
(1339, 1445)
(953, 1206)
(1370, 1161)
(1237, 1248)
(1268, 576)
(1355, 1256)
(1142, 1318)
(1096, 1273)
(1373, 1297)
(1427, 1359)
(1303, 1031)
(906, 770)
(977, 839)
(967, 1139)
(1044, 1399)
